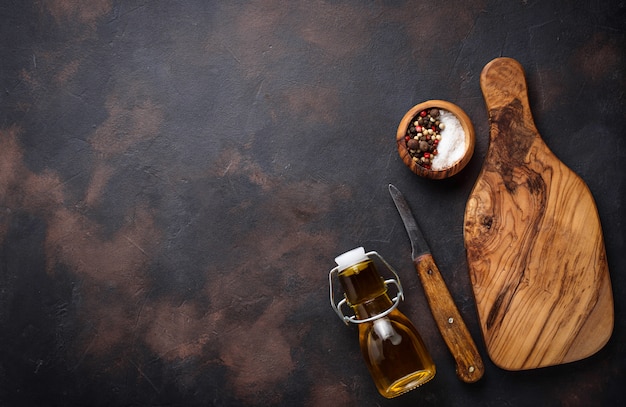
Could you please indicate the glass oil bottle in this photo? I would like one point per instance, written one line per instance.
(391, 346)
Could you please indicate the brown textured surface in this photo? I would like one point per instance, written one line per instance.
(177, 177)
(469, 364)
(534, 241)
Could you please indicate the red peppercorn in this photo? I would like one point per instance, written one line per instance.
(435, 141)
(426, 155)
(407, 138)
(435, 152)
(418, 129)
(423, 113)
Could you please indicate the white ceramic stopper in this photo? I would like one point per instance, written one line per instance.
(350, 258)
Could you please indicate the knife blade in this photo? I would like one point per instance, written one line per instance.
(469, 364)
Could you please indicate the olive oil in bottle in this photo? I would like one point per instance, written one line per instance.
(391, 346)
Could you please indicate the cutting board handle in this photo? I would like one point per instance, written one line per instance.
(503, 83)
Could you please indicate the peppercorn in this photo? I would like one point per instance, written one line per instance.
(414, 144)
(423, 136)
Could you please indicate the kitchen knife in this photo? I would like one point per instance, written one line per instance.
(469, 365)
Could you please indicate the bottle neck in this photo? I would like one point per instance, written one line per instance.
(372, 307)
(365, 289)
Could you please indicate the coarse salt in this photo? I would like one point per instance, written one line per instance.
(452, 145)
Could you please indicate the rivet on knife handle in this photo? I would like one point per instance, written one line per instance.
(469, 365)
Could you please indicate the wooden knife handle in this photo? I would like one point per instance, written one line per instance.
(469, 365)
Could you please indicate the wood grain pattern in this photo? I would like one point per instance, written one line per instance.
(468, 129)
(469, 364)
(534, 241)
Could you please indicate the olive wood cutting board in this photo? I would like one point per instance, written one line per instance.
(534, 242)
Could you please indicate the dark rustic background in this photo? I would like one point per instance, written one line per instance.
(176, 178)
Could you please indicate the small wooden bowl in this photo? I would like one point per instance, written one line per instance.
(455, 167)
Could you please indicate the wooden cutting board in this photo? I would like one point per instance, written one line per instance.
(534, 241)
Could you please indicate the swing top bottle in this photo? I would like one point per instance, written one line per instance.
(393, 350)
